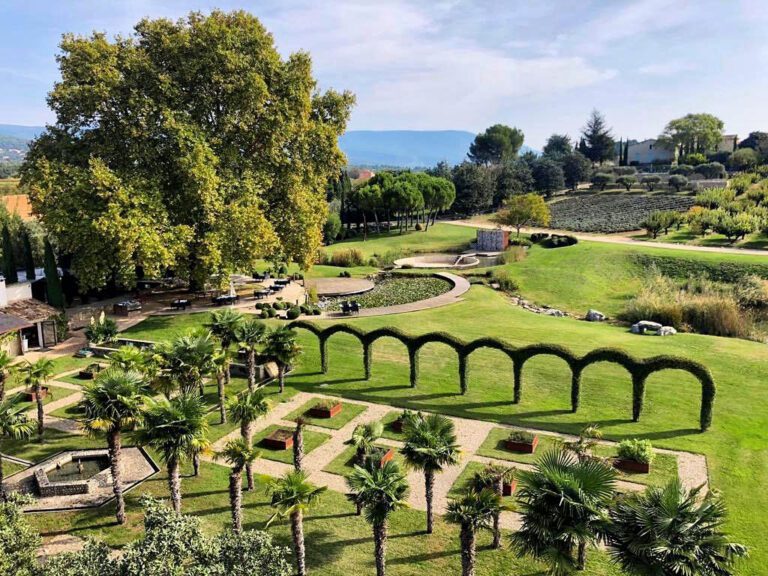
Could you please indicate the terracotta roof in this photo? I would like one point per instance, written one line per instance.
(18, 204)
(10, 323)
(30, 310)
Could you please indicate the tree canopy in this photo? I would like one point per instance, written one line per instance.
(597, 141)
(497, 144)
(558, 145)
(191, 145)
(523, 210)
(693, 133)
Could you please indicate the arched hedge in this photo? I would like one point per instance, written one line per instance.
(639, 369)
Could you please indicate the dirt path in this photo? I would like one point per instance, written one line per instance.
(618, 239)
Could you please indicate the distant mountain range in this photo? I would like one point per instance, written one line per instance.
(396, 148)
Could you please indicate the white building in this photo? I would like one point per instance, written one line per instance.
(649, 152)
(25, 323)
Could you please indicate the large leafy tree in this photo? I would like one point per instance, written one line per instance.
(557, 146)
(430, 446)
(523, 210)
(36, 374)
(475, 187)
(190, 144)
(112, 403)
(692, 133)
(562, 501)
(576, 169)
(292, 496)
(379, 490)
(472, 511)
(13, 424)
(548, 176)
(597, 141)
(497, 144)
(671, 530)
(511, 178)
(177, 429)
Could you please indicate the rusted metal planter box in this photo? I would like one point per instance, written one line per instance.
(524, 447)
(279, 440)
(508, 488)
(325, 411)
(632, 466)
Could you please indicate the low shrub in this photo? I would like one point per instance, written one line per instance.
(559, 241)
(316, 311)
(265, 313)
(505, 281)
(347, 258)
(345, 274)
(312, 295)
(305, 309)
(521, 436)
(101, 331)
(388, 258)
(293, 312)
(321, 257)
(520, 242)
(637, 450)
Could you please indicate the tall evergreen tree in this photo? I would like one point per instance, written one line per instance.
(52, 280)
(29, 259)
(9, 261)
(598, 141)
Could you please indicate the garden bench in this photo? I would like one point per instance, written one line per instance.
(125, 308)
(261, 294)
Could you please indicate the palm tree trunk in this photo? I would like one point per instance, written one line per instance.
(498, 485)
(174, 483)
(40, 411)
(222, 407)
(236, 498)
(380, 545)
(297, 531)
(429, 489)
(468, 550)
(251, 359)
(196, 463)
(298, 447)
(114, 442)
(246, 431)
(581, 558)
(3, 497)
(281, 377)
(2, 385)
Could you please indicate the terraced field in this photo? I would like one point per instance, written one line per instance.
(609, 213)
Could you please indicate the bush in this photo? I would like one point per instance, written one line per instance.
(559, 241)
(293, 313)
(101, 331)
(316, 311)
(624, 170)
(600, 180)
(537, 237)
(637, 450)
(519, 242)
(681, 170)
(514, 254)
(321, 257)
(521, 436)
(711, 170)
(694, 159)
(650, 182)
(626, 181)
(505, 281)
(418, 227)
(678, 182)
(312, 295)
(305, 309)
(345, 274)
(331, 228)
(347, 258)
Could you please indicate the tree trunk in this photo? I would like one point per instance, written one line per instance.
(196, 463)
(365, 227)
(236, 499)
(174, 484)
(380, 545)
(251, 359)
(281, 377)
(297, 531)
(581, 558)
(114, 442)
(2, 385)
(3, 497)
(40, 411)
(468, 550)
(222, 406)
(429, 489)
(298, 447)
(246, 431)
(376, 218)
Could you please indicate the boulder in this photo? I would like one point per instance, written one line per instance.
(645, 326)
(554, 312)
(666, 331)
(595, 316)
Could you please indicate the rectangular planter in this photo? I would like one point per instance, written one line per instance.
(323, 412)
(523, 447)
(279, 440)
(509, 488)
(31, 396)
(632, 466)
(396, 425)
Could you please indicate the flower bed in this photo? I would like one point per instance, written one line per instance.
(394, 290)
(522, 442)
(325, 409)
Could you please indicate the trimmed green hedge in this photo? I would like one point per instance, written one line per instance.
(638, 368)
(676, 267)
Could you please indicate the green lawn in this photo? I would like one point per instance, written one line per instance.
(348, 412)
(387, 421)
(53, 441)
(470, 470)
(54, 393)
(441, 237)
(312, 440)
(344, 463)
(663, 467)
(493, 447)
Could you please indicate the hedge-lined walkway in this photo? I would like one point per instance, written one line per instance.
(691, 468)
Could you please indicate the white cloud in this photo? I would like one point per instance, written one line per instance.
(666, 69)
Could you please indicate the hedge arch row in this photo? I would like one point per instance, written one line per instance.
(638, 368)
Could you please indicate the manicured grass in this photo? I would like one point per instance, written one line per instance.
(60, 365)
(344, 463)
(387, 421)
(71, 411)
(462, 481)
(54, 393)
(10, 468)
(663, 468)
(348, 412)
(159, 328)
(53, 441)
(312, 440)
(493, 447)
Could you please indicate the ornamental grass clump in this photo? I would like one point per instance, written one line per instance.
(505, 281)
(347, 258)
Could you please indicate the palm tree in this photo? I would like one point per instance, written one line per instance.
(238, 454)
(472, 511)
(113, 402)
(380, 490)
(186, 360)
(430, 445)
(177, 429)
(589, 437)
(250, 335)
(292, 496)
(298, 443)
(133, 358)
(563, 501)
(671, 530)
(493, 477)
(282, 348)
(13, 424)
(5, 362)
(225, 325)
(219, 363)
(364, 437)
(35, 376)
(246, 409)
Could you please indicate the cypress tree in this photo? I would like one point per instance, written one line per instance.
(9, 261)
(626, 153)
(55, 294)
(621, 152)
(29, 261)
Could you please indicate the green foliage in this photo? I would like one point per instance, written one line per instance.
(506, 281)
(101, 331)
(626, 181)
(693, 133)
(715, 197)
(18, 541)
(521, 436)
(694, 159)
(149, 165)
(497, 144)
(558, 146)
(293, 313)
(624, 170)
(475, 187)
(548, 176)
(597, 139)
(393, 290)
(331, 228)
(9, 259)
(681, 170)
(650, 182)
(52, 280)
(637, 450)
(347, 258)
(681, 267)
(678, 182)
(711, 170)
(523, 210)
(601, 180)
(743, 159)
(576, 169)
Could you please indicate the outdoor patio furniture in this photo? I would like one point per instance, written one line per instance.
(261, 294)
(125, 308)
(354, 307)
(276, 288)
(282, 281)
(225, 299)
(181, 304)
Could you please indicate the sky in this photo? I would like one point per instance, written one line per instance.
(461, 64)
